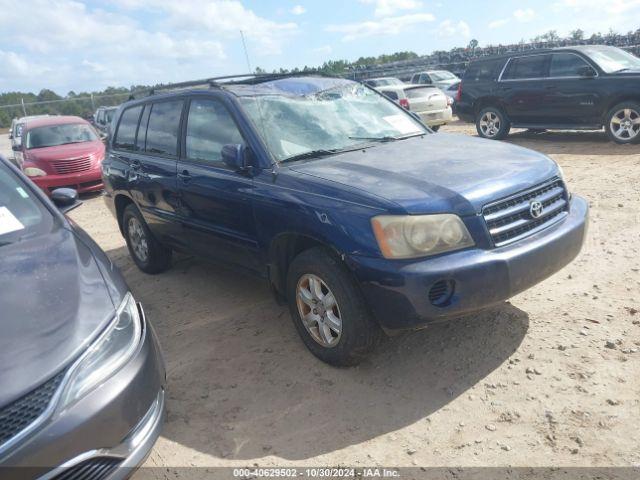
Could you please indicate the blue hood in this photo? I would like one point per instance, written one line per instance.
(436, 173)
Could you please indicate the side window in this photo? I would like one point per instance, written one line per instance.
(209, 128)
(521, 68)
(424, 78)
(100, 117)
(163, 128)
(142, 130)
(390, 94)
(126, 134)
(483, 70)
(566, 65)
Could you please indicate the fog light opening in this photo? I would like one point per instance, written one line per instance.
(441, 292)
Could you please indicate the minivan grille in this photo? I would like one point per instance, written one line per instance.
(72, 165)
(511, 219)
(18, 415)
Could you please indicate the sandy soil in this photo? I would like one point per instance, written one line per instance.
(550, 378)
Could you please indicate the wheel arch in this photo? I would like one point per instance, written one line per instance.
(618, 99)
(282, 250)
(485, 102)
(121, 201)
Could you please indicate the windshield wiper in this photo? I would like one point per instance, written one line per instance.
(388, 138)
(311, 154)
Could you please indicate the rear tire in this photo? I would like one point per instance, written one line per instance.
(324, 298)
(623, 123)
(148, 254)
(435, 128)
(492, 123)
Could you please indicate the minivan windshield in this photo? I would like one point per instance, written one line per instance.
(22, 214)
(329, 120)
(612, 59)
(62, 134)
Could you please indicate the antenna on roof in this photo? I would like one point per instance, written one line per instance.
(246, 53)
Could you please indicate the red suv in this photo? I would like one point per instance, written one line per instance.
(61, 151)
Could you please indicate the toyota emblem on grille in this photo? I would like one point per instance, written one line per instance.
(535, 209)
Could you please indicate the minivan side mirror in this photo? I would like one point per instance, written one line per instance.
(234, 155)
(587, 72)
(65, 199)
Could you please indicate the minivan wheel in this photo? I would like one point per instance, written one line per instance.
(148, 254)
(491, 123)
(623, 123)
(328, 310)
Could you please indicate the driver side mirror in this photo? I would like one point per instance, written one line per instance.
(234, 155)
(587, 72)
(16, 148)
(65, 199)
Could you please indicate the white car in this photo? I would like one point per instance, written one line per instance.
(382, 82)
(431, 104)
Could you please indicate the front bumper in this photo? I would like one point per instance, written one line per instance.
(118, 423)
(397, 291)
(83, 182)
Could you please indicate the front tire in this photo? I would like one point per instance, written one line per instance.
(148, 254)
(435, 128)
(623, 123)
(328, 310)
(492, 123)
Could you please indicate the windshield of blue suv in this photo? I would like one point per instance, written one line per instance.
(612, 59)
(329, 120)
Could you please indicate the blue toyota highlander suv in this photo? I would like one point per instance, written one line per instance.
(360, 217)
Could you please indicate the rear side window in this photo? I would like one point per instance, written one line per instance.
(390, 94)
(483, 71)
(521, 68)
(126, 134)
(419, 92)
(209, 128)
(566, 65)
(142, 131)
(163, 128)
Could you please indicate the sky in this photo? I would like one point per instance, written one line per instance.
(84, 45)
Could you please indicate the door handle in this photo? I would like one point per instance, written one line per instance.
(185, 176)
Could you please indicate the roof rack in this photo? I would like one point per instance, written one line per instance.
(248, 78)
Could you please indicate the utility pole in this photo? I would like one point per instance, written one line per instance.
(24, 109)
(93, 105)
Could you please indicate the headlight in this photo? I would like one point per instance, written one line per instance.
(411, 236)
(34, 172)
(115, 347)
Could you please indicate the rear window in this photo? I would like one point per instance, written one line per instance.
(391, 94)
(483, 71)
(162, 130)
(126, 134)
(419, 92)
(521, 68)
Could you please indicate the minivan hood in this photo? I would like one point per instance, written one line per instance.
(437, 172)
(63, 152)
(54, 302)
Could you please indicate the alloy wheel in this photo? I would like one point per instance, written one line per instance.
(319, 310)
(490, 124)
(138, 239)
(625, 124)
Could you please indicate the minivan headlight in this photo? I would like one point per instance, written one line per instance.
(106, 355)
(410, 236)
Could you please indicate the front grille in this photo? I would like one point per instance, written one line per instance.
(72, 165)
(510, 219)
(93, 469)
(18, 415)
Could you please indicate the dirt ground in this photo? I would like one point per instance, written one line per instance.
(551, 378)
